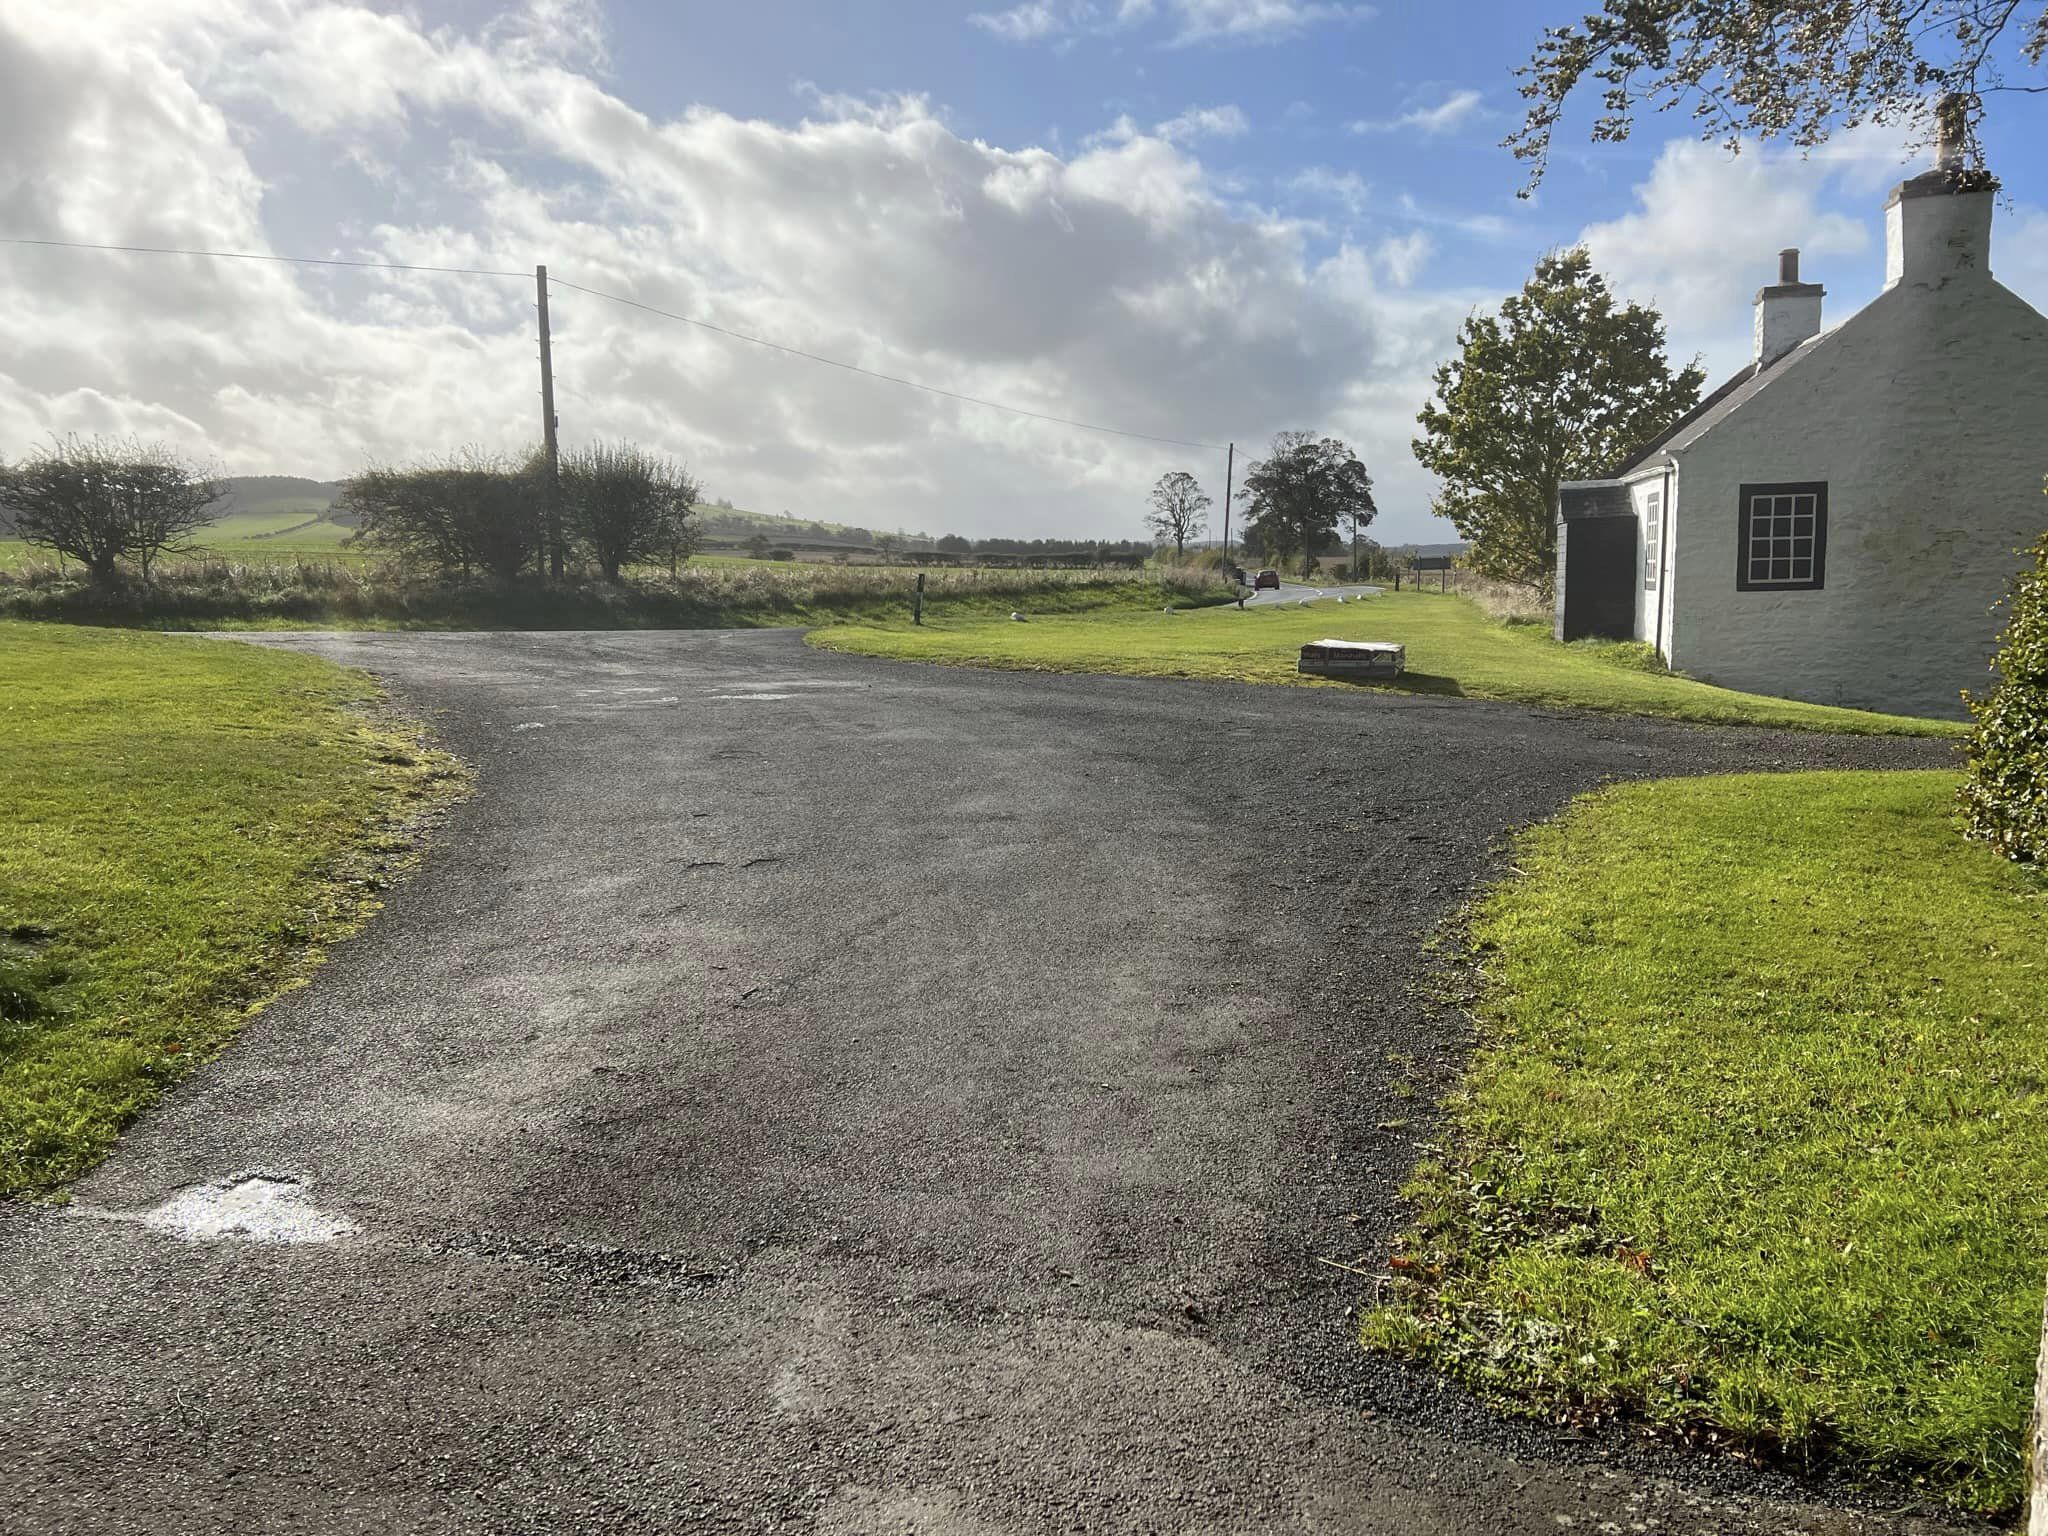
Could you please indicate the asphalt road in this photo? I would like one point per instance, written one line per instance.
(1307, 592)
(807, 1093)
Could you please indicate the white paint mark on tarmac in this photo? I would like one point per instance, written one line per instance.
(532, 725)
(254, 1207)
(750, 695)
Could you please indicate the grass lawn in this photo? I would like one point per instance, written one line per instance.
(187, 822)
(1756, 1140)
(1453, 648)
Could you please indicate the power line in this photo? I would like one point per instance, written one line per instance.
(298, 261)
(886, 378)
(621, 299)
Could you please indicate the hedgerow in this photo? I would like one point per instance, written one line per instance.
(2005, 795)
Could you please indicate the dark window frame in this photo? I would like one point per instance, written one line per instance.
(1818, 490)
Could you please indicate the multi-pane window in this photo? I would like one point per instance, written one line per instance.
(1782, 537)
(1653, 537)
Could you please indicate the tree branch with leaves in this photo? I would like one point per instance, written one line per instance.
(1797, 70)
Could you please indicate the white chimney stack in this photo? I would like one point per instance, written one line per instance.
(1937, 225)
(1787, 312)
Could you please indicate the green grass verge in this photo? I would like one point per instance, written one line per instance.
(1756, 1141)
(1453, 648)
(186, 824)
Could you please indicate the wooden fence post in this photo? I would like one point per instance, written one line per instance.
(917, 606)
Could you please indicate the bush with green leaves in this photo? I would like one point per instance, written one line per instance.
(2005, 795)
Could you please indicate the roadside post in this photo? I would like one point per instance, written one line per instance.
(2037, 1443)
(917, 602)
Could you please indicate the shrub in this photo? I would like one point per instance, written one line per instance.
(102, 501)
(472, 512)
(2005, 794)
(625, 506)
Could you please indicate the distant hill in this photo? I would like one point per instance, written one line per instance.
(270, 498)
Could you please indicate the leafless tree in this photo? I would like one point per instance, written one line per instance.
(471, 512)
(101, 501)
(624, 505)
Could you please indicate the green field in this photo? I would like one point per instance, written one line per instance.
(1756, 1141)
(281, 537)
(187, 823)
(1452, 649)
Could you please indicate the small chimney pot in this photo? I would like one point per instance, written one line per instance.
(1788, 266)
(1951, 132)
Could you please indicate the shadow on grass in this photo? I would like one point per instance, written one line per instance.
(1407, 682)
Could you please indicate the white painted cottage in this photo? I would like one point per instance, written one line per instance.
(1835, 522)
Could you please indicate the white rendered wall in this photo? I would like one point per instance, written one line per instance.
(1783, 323)
(1927, 414)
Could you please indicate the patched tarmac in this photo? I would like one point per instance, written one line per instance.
(800, 1092)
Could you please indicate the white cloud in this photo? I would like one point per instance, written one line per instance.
(1203, 21)
(1118, 284)
(1226, 122)
(1706, 230)
(1479, 226)
(1344, 189)
(1404, 256)
(1024, 23)
(2019, 252)
(1191, 21)
(1450, 113)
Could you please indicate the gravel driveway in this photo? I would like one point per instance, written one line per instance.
(803, 1092)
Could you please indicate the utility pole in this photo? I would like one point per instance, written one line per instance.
(1229, 474)
(552, 491)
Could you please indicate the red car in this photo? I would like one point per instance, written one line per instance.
(1266, 580)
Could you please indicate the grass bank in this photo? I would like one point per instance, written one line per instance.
(215, 594)
(1453, 648)
(1755, 1145)
(186, 824)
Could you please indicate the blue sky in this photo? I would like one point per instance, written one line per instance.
(1200, 219)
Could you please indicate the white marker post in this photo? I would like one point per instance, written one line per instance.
(2037, 1448)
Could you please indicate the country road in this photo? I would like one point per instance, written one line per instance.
(800, 1092)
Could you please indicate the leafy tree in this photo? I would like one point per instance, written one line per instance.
(954, 544)
(1178, 502)
(1562, 384)
(101, 501)
(1791, 69)
(1297, 495)
(619, 502)
(2005, 793)
(886, 545)
(757, 546)
(473, 511)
